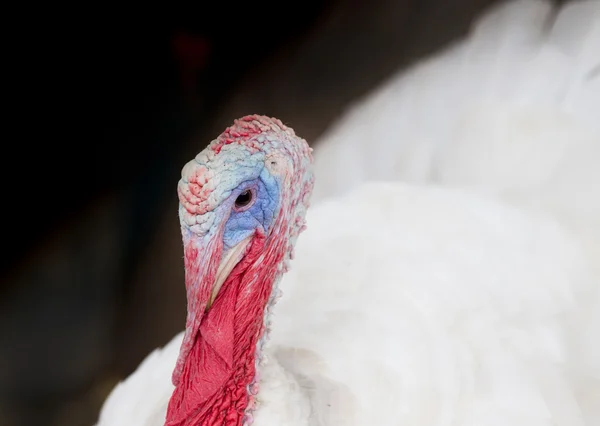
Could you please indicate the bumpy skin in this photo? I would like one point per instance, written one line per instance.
(215, 375)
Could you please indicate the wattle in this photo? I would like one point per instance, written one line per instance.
(213, 388)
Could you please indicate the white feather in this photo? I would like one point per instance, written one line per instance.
(414, 305)
(525, 82)
(431, 306)
(143, 397)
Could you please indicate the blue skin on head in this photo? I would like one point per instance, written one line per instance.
(259, 213)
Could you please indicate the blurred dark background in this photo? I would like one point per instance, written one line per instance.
(116, 102)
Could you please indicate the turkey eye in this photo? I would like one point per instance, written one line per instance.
(244, 199)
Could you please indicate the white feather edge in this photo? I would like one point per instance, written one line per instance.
(143, 397)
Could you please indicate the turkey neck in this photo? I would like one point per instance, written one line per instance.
(220, 378)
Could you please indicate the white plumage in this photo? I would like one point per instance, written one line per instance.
(469, 294)
(512, 107)
(420, 306)
(430, 306)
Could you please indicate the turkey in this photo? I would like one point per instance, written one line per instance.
(464, 294)
(405, 305)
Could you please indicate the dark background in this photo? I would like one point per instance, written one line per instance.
(114, 104)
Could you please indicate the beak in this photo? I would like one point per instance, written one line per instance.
(229, 259)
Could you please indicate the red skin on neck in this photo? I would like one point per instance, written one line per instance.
(212, 386)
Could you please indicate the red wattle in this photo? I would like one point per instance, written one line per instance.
(212, 387)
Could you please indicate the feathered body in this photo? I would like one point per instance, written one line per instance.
(513, 109)
(414, 306)
(467, 294)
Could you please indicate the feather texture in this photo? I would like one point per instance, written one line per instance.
(432, 306)
(440, 307)
(498, 110)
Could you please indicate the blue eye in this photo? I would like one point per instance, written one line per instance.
(245, 200)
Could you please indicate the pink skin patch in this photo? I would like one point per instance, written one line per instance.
(244, 129)
(195, 192)
(215, 375)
